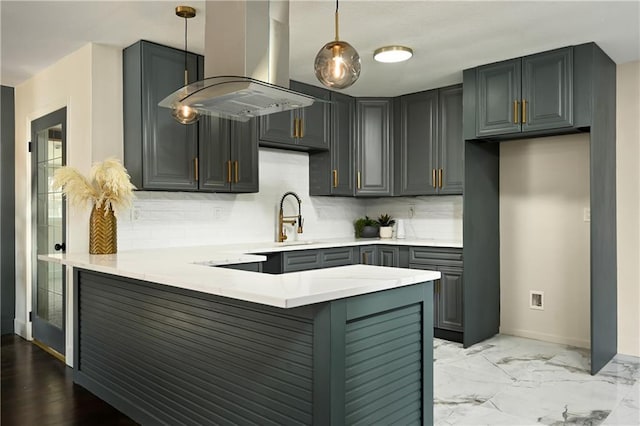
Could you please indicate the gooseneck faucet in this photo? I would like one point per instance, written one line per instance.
(282, 219)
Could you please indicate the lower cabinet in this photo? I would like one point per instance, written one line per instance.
(304, 260)
(448, 290)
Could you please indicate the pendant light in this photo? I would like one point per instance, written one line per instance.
(185, 114)
(337, 64)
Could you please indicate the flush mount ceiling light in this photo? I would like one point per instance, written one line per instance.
(337, 64)
(183, 113)
(390, 54)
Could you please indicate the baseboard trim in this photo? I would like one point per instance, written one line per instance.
(545, 337)
(22, 329)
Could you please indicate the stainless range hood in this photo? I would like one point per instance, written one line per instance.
(247, 47)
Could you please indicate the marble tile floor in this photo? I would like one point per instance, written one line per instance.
(510, 380)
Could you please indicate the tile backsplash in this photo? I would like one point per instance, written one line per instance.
(172, 219)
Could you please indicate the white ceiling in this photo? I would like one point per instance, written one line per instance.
(447, 36)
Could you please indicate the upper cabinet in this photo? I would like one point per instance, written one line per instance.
(304, 129)
(332, 172)
(373, 147)
(228, 155)
(159, 152)
(429, 144)
(528, 94)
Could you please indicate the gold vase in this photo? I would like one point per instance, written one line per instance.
(103, 231)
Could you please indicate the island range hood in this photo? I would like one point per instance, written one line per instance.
(247, 49)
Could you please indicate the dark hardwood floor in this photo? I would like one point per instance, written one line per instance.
(38, 389)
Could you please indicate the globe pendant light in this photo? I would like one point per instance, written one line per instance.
(337, 64)
(185, 114)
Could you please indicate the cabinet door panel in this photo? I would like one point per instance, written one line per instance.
(547, 89)
(214, 154)
(450, 299)
(373, 146)
(169, 148)
(418, 139)
(388, 256)
(300, 260)
(244, 156)
(368, 255)
(315, 119)
(451, 145)
(339, 257)
(342, 157)
(277, 128)
(498, 86)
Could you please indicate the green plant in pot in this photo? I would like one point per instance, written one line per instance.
(366, 227)
(386, 225)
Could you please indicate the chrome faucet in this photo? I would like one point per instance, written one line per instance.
(282, 219)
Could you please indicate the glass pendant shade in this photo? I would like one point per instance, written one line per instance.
(337, 65)
(185, 114)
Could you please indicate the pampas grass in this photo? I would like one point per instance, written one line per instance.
(108, 186)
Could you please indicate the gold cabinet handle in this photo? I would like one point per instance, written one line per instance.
(296, 128)
(434, 182)
(335, 178)
(228, 171)
(440, 178)
(300, 128)
(524, 111)
(358, 179)
(195, 168)
(515, 112)
(236, 165)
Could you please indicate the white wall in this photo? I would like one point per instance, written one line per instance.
(161, 219)
(544, 239)
(89, 83)
(628, 207)
(437, 218)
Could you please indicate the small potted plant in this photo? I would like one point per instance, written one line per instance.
(386, 225)
(366, 227)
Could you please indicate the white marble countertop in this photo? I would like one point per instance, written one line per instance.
(184, 267)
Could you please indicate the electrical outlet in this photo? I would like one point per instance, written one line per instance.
(412, 210)
(587, 214)
(536, 300)
(135, 214)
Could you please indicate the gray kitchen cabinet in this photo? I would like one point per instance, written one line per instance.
(303, 129)
(448, 290)
(388, 256)
(373, 147)
(416, 159)
(331, 172)
(340, 256)
(228, 155)
(450, 141)
(304, 260)
(448, 299)
(429, 147)
(368, 255)
(527, 94)
(159, 152)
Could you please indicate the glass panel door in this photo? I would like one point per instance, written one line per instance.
(48, 153)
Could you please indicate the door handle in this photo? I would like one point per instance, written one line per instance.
(237, 168)
(434, 180)
(195, 168)
(60, 247)
(524, 111)
(228, 171)
(440, 178)
(335, 178)
(358, 181)
(516, 119)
